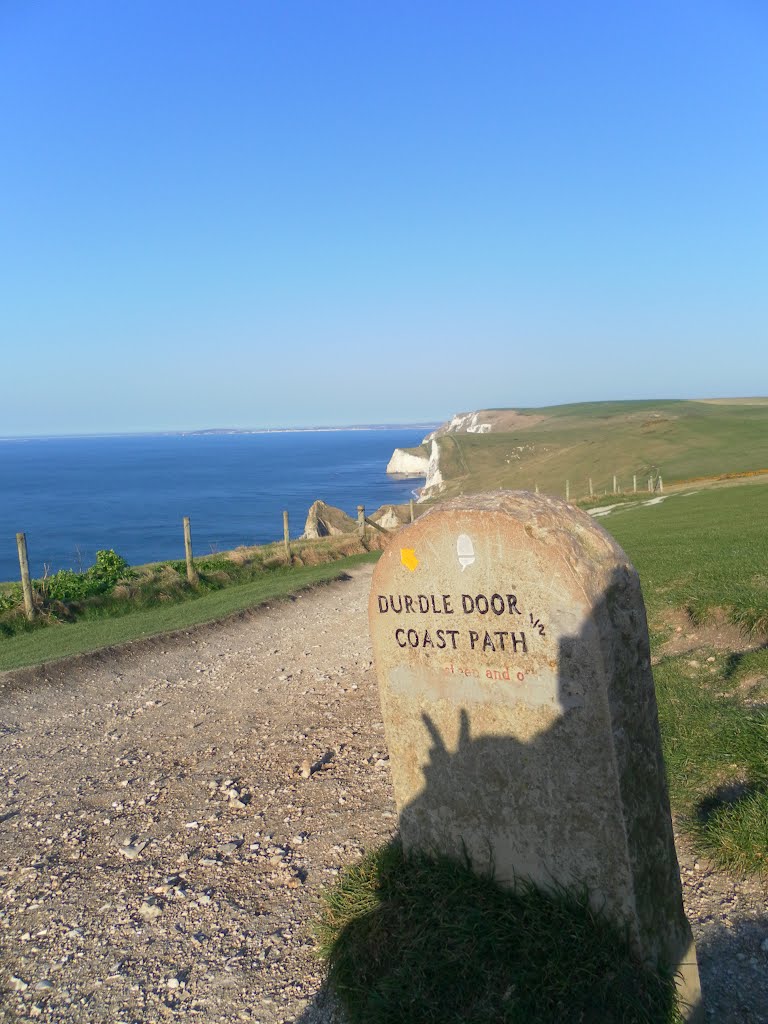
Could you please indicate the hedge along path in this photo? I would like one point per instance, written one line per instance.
(66, 640)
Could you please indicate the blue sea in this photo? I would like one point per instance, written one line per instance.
(75, 495)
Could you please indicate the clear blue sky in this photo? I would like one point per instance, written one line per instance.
(277, 213)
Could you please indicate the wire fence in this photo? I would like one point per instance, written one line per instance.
(363, 523)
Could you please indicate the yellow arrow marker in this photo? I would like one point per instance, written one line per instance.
(408, 558)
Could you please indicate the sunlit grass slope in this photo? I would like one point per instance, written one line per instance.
(678, 439)
(702, 551)
(706, 554)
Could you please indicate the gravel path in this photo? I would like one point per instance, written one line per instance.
(169, 812)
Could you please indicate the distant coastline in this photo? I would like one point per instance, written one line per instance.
(431, 425)
(310, 430)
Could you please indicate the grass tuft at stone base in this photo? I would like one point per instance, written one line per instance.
(424, 940)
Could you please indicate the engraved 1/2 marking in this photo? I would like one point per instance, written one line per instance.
(537, 624)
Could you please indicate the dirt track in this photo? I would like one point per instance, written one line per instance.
(169, 812)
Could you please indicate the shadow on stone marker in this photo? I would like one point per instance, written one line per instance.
(582, 803)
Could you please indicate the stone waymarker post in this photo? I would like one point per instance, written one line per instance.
(511, 647)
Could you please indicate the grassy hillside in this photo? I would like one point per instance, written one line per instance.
(704, 552)
(680, 440)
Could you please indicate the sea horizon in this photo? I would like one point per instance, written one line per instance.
(74, 495)
(197, 431)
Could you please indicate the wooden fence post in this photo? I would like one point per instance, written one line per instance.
(661, 485)
(361, 521)
(411, 503)
(650, 484)
(536, 488)
(615, 486)
(26, 584)
(634, 482)
(567, 490)
(192, 576)
(591, 492)
(286, 536)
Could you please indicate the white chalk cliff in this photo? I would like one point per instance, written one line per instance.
(434, 482)
(483, 421)
(464, 423)
(405, 463)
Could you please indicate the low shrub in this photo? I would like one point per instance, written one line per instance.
(68, 586)
(108, 569)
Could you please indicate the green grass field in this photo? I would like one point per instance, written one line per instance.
(702, 552)
(706, 555)
(679, 439)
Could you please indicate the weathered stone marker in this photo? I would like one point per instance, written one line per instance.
(511, 647)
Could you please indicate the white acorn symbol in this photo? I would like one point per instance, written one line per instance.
(465, 549)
